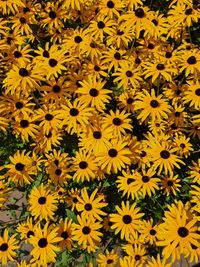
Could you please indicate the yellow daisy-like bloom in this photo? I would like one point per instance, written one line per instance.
(8, 6)
(177, 231)
(100, 27)
(43, 241)
(152, 106)
(90, 207)
(76, 116)
(194, 172)
(42, 203)
(7, 247)
(183, 144)
(158, 69)
(20, 169)
(146, 182)
(170, 185)
(23, 263)
(127, 220)
(86, 233)
(158, 262)
(115, 157)
(95, 138)
(65, 232)
(163, 157)
(93, 93)
(118, 122)
(189, 61)
(22, 79)
(125, 184)
(148, 232)
(110, 8)
(192, 95)
(74, 4)
(85, 166)
(127, 74)
(108, 259)
(137, 251)
(128, 261)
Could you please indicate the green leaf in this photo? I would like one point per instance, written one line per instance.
(71, 215)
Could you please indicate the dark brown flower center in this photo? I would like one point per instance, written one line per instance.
(191, 60)
(48, 117)
(22, 20)
(183, 232)
(170, 183)
(94, 92)
(152, 232)
(145, 179)
(117, 56)
(101, 24)
(112, 152)
(117, 121)
(4, 247)
(164, 154)
(58, 172)
(88, 206)
(26, 9)
(42, 200)
(139, 12)
(137, 257)
(56, 88)
(75, 199)
(97, 135)
(129, 100)
(129, 74)
(64, 235)
(53, 62)
(127, 219)
(83, 165)
(23, 72)
(17, 54)
(96, 68)
(52, 14)
(137, 60)
(86, 230)
(109, 261)
(160, 67)
(42, 243)
(178, 92)
(19, 105)
(24, 123)
(73, 112)
(151, 46)
(19, 166)
(177, 114)
(78, 39)
(197, 92)
(154, 103)
(110, 4)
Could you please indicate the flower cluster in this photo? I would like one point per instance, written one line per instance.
(100, 129)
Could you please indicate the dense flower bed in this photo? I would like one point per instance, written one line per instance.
(100, 129)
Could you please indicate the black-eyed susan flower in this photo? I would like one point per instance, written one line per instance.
(177, 231)
(84, 166)
(108, 259)
(164, 157)
(170, 184)
(192, 94)
(26, 229)
(127, 74)
(157, 262)
(189, 61)
(118, 122)
(115, 157)
(44, 244)
(86, 233)
(8, 6)
(90, 207)
(93, 93)
(42, 202)
(127, 219)
(194, 171)
(151, 106)
(148, 232)
(8, 245)
(65, 232)
(128, 261)
(136, 251)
